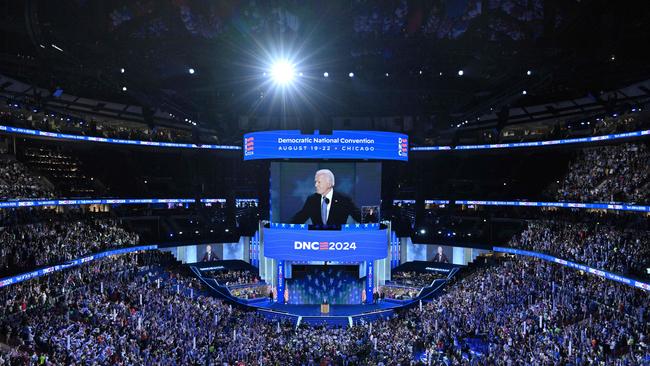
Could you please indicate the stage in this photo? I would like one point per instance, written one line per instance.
(335, 310)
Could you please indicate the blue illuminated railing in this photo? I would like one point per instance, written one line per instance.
(371, 226)
(109, 201)
(536, 143)
(65, 136)
(436, 202)
(607, 275)
(133, 201)
(599, 206)
(73, 263)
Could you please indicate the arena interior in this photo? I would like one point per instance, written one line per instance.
(282, 182)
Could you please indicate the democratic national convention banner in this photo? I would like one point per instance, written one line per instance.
(291, 144)
(325, 245)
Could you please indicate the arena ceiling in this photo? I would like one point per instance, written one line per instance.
(405, 54)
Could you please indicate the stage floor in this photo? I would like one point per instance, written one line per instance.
(335, 310)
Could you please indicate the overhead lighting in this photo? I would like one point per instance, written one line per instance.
(191, 71)
(122, 71)
(524, 92)
(282, 72)
(57, 47)
(124, 88)
(326, 74)
(461, 72)
(351, 74)
(529, 72)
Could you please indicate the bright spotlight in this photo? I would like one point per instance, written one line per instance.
(460, 72)
(351, 74)
(282, 72)
(191, 71)
(524, 92)
(529, 72)
(326, 74)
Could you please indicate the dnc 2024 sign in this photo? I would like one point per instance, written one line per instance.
(292, 144)
(325, 245)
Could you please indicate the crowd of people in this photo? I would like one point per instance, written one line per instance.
(234, 277)
(514, 313)
(623, 251)
(251, 291)
(532, 312)
(616, 173)
(412, 278)
(398, 292)
(53, 242)
(16, 181)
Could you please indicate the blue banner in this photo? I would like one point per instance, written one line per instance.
(65, 136)
(598, 206)
(536, 143)
(110, 201)
(280, 288)
(325, 245)
(357, 145)
(370, 282)
(75, 262)
(607, 275)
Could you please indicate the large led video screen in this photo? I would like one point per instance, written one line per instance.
(356, 192)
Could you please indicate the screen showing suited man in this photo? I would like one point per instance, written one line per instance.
(295, 196)
(327, 206)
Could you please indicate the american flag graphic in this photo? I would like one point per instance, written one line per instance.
(323, 245)
(250, 143)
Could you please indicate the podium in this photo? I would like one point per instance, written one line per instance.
(325, 308)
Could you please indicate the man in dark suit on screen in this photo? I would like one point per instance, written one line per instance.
(209, 255)
(327, 207)
(441, 257)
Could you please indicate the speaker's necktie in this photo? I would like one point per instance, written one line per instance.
(323, 210)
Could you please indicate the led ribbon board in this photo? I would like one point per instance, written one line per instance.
(110, 201)
(578, 140)
(354, 145)
(605, 274)
(65, 136)
(596, 206)
(73, 263)
(325, 245)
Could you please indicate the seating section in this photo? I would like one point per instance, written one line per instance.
(63, 170)
(623, 251)
(53, 242)
(516, 312)
(617, 173)
(16, 181)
